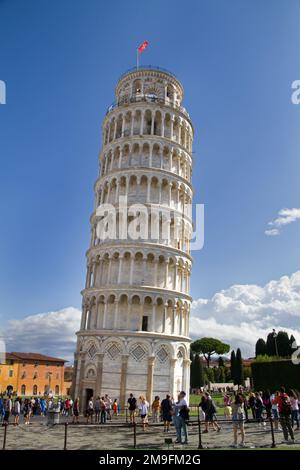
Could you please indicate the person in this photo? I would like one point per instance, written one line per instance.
(132, 408)
(43, 406)
(238, 419)
(76, 411)
(166, 411)
(210, 411)
(17, 411)
(156, 409)
(294, 408)
(108, 403)
(274, 409)
(251, 403)
(103, 414)
(266, 398)
(27, 410)
(115, 407)
(90, 411)
(285, 411)
(259, 407)
(144, 410)
(7, 410)
(227, 406)
(181, 417)
(67, 407)
(97, 410)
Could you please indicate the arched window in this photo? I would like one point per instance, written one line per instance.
(23, 389)
(34, 390)
(136, 87)
(56, 389)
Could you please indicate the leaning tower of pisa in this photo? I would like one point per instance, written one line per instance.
(134, 333)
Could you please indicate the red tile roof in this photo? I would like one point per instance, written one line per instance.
(32, 357)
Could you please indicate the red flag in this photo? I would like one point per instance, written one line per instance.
(143, 46)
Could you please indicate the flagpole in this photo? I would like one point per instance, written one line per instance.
(137, 59)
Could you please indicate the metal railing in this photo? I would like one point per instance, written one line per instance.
(148, 98)
(147, 67)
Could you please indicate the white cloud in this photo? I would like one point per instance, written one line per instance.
(272, 232)
(50, 333)
(284, 217)
(243, 313)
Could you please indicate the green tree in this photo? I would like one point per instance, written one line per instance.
(222, 375)
(239, 370)
(209, 374)
(227, 374)
(221, 361)
(232, 366)
(208, 347)
(270, 345)
(197, 375)
(260, 347)
(283, 344)
(216, 371)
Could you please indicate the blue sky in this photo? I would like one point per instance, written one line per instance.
(60, 61)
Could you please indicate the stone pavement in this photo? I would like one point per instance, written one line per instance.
(119, 435)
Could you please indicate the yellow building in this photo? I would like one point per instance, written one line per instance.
(32, 374)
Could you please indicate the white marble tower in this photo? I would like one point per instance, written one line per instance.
(134, 333)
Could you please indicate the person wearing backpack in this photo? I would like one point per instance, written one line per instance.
(285, 411)
(181, 418)
(210, 411)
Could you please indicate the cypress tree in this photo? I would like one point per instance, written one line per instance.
(232, 366)
(271, 348)
(221, 361)
(197, 375)
(260, 347)
(283, 344)
(239, 372)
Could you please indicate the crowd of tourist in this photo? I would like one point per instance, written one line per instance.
(14, 407)
(239, 408)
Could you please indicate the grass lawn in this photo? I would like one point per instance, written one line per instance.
(217, 398)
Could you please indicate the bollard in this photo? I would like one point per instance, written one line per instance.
(4, 437)
(66, 435)
(272, 433)
(200, 446)
(134, 435)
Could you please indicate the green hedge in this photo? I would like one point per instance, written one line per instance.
(272, 375)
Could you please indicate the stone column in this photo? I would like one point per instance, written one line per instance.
(186, 376)
(123, 384)
(98, 386)
(116, 315)
(81, 390)
(74, 379)
(151, 361)
(120, 268)
(172, 378)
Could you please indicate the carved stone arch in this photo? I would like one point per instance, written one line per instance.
(90, 372)
(123, 296)
(139, 350)
(115, 340)
(135, 297)
(181, 347)
(148, 298)
(163, 352)
(91, 347)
